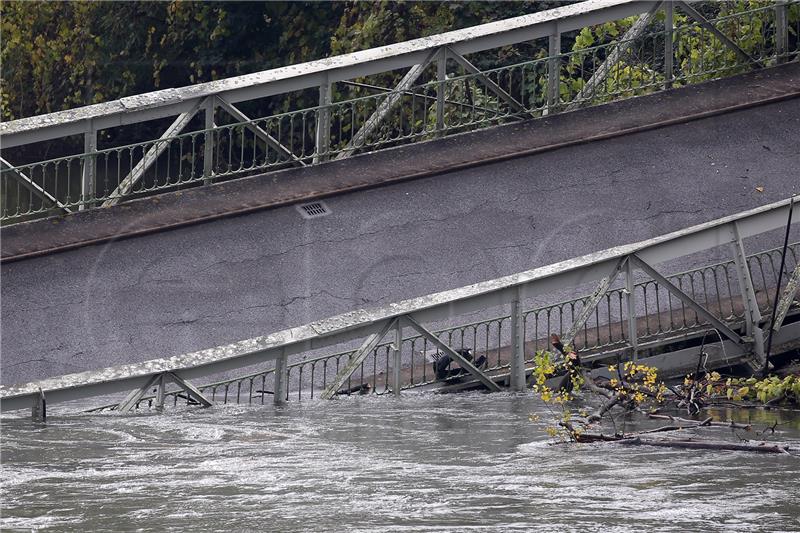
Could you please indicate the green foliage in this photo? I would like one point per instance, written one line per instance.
(771, 389)
(634, 386)
(60, 55)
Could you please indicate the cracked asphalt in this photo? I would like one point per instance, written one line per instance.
(235, 278)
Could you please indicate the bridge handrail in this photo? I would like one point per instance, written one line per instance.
(168, 102)
(422, 106)
(430, 308)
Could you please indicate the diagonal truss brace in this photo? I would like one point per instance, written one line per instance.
(688, 300)
(191, 391)
(131, 399)
(160, 380)
(412, 93)
(700, 19)
(386, 106)
(259, 132)
(31, 186)
(594, 299)
(613, 58)
(789, 293)
(162, 143)
(358, 357)
(467, 365)
(745, 279)
(489, 84)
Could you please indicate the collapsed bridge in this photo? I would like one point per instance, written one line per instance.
(632, 311)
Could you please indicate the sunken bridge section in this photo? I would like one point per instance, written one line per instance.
(722, 312)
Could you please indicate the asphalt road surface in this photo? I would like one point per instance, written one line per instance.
(223, 281)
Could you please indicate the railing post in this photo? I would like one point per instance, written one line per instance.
(752, 313)
(281, 380)
(162, 385)
(397, 357)
(208, 152)
(441, 78)
(89, 168)
(630, 303)
(517, 343)
(554, 72)
(669, 71)
(781, 31)
(39, 408)
(323, 133)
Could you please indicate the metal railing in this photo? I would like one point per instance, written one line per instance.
(662, 319)
(634, 316)
(443, 94)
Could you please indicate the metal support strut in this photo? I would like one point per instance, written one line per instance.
(39, 408)
(29, 184)
(162, 143)
(160, 381)
(613, 58)
(208, 146)
(688, 300)
(391, 100)
(489, 84)
(781, 30)
(554, 72)
(630, 304)
(752, 313)
(397, 359)
(281, 380)
(593, 300)
(461, 360)
(517, 343)
(323, 131)
(789, 294)
(260, 133)
(669, 27)
(89, 168)
(357, 358)
(700, 19)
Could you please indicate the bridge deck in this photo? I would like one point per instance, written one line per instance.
(206, 285)
(171, 210)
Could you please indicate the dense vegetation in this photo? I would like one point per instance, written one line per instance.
(60, 55)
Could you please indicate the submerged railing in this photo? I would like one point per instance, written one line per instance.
(506, 320)
(670, 44)
(662, 320)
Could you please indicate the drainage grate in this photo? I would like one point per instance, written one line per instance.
(313, 210)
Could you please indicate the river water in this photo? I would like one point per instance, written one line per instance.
(469, 462)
